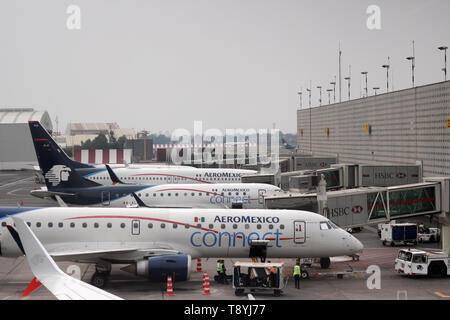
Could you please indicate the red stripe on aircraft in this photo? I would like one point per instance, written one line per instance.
(170, 175)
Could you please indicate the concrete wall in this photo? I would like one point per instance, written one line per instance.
(404, 127)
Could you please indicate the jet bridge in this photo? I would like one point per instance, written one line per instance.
(362, 206)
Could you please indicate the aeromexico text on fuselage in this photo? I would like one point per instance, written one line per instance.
(163, 175)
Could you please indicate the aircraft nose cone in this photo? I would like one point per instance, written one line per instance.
(357, 245)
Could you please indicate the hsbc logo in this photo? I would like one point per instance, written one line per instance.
(400, 175)
(357, 209)
(57, 174)
(323, 164)
(340, 212)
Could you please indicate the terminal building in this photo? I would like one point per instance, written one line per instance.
(404, 133)
(16, 147)
(403, 127)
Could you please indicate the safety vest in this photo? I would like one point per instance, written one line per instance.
(297, 271)
(219, 267)
(273, 270)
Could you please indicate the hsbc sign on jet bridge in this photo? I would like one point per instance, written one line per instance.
(385, 176)
(347, 209)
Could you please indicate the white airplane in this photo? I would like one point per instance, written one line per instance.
(47, 272)
(134, 175)
(169, 175)
(158, 242)
(239, 195)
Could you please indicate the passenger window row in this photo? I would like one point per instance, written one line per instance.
(176, 194)
(109, 225)
(163, 178)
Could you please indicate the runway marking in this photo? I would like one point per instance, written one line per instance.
(11, 193)
(441, 295)
(14, 182)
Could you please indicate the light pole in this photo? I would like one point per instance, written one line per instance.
(412, 59)
(445, 61)
(387, 66)
(300, 94)
(320, 97)
(310, 122)
(334, 90)
(329, 92)
(348, 79)
(365, 73)
(375, 89)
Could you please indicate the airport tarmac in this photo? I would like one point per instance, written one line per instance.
(15, 274)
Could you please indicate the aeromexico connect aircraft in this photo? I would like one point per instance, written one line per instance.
(64, 181)
(141, 174)
(160, 242)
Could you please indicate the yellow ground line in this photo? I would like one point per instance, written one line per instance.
(441, 295)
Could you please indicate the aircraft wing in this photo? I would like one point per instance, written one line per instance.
(47, 272)
(114, 252)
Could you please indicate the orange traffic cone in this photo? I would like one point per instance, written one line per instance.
(169, 292)
(199, 265)
(206, 284)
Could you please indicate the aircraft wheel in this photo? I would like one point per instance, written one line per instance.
(239, 292)
(99, 280)
(325, 263)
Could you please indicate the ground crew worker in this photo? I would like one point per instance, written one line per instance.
(297, 274)
(220, 271)
(421, 228)
(272, 276)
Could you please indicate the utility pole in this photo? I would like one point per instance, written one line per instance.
(300, 94)
(444, 48)
(340, 75)
(413, 63)
(387, 66)
(365, 73)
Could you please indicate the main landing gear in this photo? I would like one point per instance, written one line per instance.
(101, 275)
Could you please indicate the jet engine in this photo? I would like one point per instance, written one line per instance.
(158, 268)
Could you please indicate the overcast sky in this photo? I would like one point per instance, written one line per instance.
(161, 64)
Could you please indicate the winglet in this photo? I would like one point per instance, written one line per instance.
(50, 275)
(113, 176)
(34, 284)
(138, 200)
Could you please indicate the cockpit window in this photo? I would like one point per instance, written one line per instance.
(333, 225)
(324, 226)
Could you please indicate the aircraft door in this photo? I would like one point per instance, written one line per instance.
(106, 198)
(299, 232)
(135, 227)
(261, 193)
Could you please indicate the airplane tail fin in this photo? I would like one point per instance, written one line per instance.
(57, 168)
(114, 178)
(138, 200)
